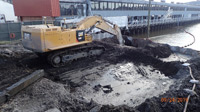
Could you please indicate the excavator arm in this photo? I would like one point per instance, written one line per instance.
(92, 22)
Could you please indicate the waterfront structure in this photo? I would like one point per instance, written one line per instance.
(163, 15)
(136, 11)
(197, 3)
(132, 8)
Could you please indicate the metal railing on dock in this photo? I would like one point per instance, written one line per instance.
(143, 23)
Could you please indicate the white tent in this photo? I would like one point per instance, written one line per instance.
(7, 9)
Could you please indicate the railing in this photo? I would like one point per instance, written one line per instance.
(161, 21)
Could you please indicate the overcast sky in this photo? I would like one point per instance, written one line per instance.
(182, 1)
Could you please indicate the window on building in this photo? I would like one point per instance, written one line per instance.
(145, 7)
(166, 8)
(152, 7)
(125, 6)
(131, 6)
(162, 8)
(71, 9)
(92, 5)
(194, 15)
(103, 5)
(136, 6)
(95, 5)
(111, 5)
(140, 6)
(118, 6)
(181, 8)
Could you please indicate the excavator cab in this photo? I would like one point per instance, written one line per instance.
(69, 25)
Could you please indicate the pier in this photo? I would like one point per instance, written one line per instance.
(140, 27)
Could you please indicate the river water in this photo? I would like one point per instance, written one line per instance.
(177, 37)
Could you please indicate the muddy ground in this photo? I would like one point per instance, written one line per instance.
(124, 78)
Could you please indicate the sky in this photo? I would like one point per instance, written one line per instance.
(182, 1)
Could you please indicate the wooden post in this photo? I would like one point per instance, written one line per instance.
(149, 18)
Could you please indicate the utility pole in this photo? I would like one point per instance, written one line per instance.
(149, 18)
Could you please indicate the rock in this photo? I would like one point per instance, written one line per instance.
(195, 81)
(97, 87)
(117, 94)
(53, 110)
(191, 92)
(107, 89)
(95, 109)
(164, 83)
(8, 51)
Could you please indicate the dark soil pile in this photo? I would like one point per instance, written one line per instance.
(46, 94)
(11, 70)
(154, 49)
(139, 56)
(111, 40)
(155, 104)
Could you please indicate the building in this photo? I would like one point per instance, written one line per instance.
(35, 10)
(7, 12)
(132, 9)
(197, 3)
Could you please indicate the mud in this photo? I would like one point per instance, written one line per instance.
(123, 84)
(11, 68)
(45, 95)
(155, 104)
(124, 78)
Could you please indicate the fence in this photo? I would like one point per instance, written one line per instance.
(12, 31)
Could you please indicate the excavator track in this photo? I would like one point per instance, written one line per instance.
(62, 57)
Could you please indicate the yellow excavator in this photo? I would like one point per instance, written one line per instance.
(62, 45)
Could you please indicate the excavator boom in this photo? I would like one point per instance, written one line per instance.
(92, 22)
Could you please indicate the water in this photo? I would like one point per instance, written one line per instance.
(177, 37)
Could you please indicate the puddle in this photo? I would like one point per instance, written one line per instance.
(126, 84)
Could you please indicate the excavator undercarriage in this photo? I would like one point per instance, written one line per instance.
(62, 57)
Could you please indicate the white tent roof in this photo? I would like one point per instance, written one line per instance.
(8, 10)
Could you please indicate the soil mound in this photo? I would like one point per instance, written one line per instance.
(155, 104)
(140, 56)
(45, 95)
